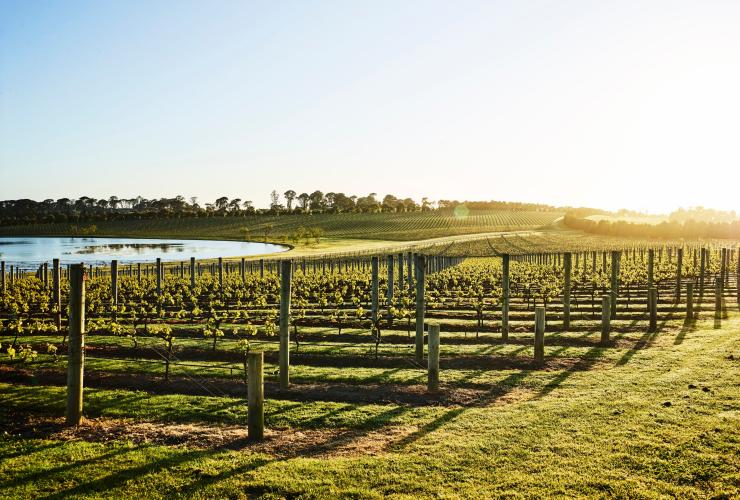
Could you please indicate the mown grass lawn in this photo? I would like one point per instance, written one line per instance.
(662, 419)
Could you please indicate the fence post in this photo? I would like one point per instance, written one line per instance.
(433, 361)
(114, 284)
(76, 351)
(539, 335)
(159, 276)
(566, 289)
(506, 295)
(653, 308)
(285, 284)
(374, 291)
(255, 396)
(605, 318)
(389, 293)
(56, 278)
(679, 274)
(615, 282)
(420, 288)
(192, 272)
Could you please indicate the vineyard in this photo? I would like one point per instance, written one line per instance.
(382, 226)
(352, 354)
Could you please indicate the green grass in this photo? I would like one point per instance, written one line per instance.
(661, 420)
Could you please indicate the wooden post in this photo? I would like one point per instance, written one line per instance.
(400, 271)
(159, 276)
(505, 288)
(262, 268)
(605, 318)
(420, 289)
(410, 271)
(284, 355)
(702, 271)
(539, 334)
(615, 282)
(192, 272)
(220, 275)
(433, 361)
(2, 276)
(56, 282)
(566, 289)
(689, 300)
(255, 396)
(389, 292)
(374, 291)
(653, 307)
(114, 284)
(679, 274)
(651, 267)
(76, 352)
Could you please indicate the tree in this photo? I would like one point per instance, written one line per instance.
(317, 202)
(303, 200)
(275, 205)
(289, 197)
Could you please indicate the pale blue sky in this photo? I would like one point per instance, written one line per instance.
(599, 103)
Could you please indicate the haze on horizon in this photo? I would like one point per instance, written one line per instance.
(604, 104)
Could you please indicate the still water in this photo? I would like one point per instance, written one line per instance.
(31, 251)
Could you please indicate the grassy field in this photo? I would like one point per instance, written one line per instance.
(651, 415)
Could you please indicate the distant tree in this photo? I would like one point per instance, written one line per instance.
(303, 199)
(316, 201)
(289, 197)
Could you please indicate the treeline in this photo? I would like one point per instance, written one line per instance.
(672, 229)
(87, 209)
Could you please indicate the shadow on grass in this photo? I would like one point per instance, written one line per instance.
(689, 325)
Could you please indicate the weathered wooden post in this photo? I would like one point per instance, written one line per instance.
(220, 275)
(702, 271)
(158, 266)
(138, 272)
(679, 274)
(114, 285)
(420, 289)
(389, 292)
(539, 334)
(566, 289)
(2, 276)
(284, 355)
(56, 282)
(689, 300)
(506, 292)
(410, 265)
(653, 307)
(262, 268)
(433, 361)
(192, 272)
(255, 396)
(615, 282)
(374, 291)
(76, 350)
(400, 271)
(651, 267)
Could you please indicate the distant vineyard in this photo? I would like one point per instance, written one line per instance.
(393, 227)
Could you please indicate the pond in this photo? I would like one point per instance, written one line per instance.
(33, 250)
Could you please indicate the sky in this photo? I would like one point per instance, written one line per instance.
(583, 103)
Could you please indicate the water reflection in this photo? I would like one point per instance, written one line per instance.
(32, 251)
